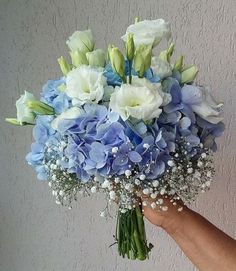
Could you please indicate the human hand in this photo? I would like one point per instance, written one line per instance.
(166, 215)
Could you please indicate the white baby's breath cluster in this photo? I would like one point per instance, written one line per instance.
(184, 179)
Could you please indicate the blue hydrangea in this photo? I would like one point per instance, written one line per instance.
(209, 132)
(55, 97)
(93, 136)
(99, 142)
(178, 112)
(42, 133)
(180, 100)
(91, 139)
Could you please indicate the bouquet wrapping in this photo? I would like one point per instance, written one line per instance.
(128, 124)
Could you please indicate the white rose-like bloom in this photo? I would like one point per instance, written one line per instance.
(140, 100)
(208, 108)
(149, 32)
(71, 113)
(24, 114)
(81, 40)
(85, 84)
(160, 67)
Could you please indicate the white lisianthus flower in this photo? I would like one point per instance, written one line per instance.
(140, 100)
(149, 32)
(160, 67)
(69, 114)
(81, 40)
(85, 84)
(208, 108)
(24, 114)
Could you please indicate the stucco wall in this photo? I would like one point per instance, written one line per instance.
(35, 233)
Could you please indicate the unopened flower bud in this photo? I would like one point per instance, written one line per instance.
(129, 47)
(142, 59)
(165, 55)
(136, 20)
(117, 62)
(78, 58)
(40, 108)
(189, 74)
(179, 63)
(14, 121)
(65, 67)
(96, 58)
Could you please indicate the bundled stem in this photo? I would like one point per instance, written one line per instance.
(131, 235)
(130, 71)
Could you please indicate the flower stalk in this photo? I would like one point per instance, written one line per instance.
(130, 70)
(131, 235)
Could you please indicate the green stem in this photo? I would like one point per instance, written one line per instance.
(130, 70)
(138, 239)
(130, 235)
(140, 222)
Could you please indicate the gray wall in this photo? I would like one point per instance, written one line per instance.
(36, 234)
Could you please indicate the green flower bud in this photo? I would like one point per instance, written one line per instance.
(109, 48)
(189, 74)
(129, 47)
(96, 58)
(78, 58)
(117, 62)
(170, 50)
(142, 59)
(65, 67)
(179, 63)
(166, 54)
(14, 121)
(40, 108)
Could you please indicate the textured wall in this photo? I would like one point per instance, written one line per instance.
(36, 234)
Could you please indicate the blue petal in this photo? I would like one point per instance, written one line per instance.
(135, 157)
(188, 112)
(97, 153)
(193, 140)
(191, 95)
(184, 123)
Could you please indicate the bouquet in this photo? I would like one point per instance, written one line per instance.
(125, 124)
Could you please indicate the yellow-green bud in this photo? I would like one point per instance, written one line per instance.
(189, 74)
(170, 50)
(65, 67)
(40, 108)
(142, 59)
(136, 20)
(179, 63)
(78, 58)
(129, 47)
(109, 48)
(117, 62)
(14, 121)
(165, 55)
(96, 58)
